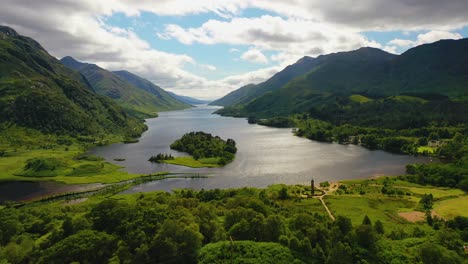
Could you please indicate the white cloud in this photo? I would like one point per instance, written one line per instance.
(293, 37)
(401, 42)
(233, 50)
(254, 56)
(391, 49)
(429, 37)
(362, 15)
(208, 67)
(304, 27)
(436, 35)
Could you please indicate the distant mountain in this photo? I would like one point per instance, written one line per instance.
(137, 101)
(188, 100)
(251, 91)
(38, 92)
(440, 68)
(235, 96)
(166, 100)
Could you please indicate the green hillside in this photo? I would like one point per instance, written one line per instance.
(246, 93)
(166, 101)
(136, 101)
(38, 92)
(234, 96)
(431, 72)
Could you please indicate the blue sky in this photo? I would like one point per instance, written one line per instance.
(222, 56)
(207, 48)
(225, 56)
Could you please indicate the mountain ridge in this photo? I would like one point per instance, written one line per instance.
(188, 99)
(38, 92)
(439, 68)
(137, 101)
(167, 101)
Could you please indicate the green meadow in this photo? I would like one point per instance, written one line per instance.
(193, 163)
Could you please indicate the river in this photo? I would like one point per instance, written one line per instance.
(265, 155)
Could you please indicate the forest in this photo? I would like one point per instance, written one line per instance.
(247, 225)
(203, 145)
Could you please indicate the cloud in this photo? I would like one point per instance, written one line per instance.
(376, 15)
(301, 27)
(401, 42)
(295, 37)
(436, 35)
(424, 38)
(208, 67)
(233, 50)
(254, 56)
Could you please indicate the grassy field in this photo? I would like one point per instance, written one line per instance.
(407, 98)
(193, 163)
(360, 98)
(428, 149)
(71, 170)
(376, 208)
(365, 197)
(452, 207)
(436, 192)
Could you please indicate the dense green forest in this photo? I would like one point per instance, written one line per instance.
(247, 225)
(204, 145)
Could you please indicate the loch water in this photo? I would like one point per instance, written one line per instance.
(265, 155)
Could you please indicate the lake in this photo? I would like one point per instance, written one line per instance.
(25, 191)
(265, 155)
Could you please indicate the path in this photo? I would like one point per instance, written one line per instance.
(331, 189)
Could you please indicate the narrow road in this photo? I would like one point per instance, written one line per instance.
(332, 189)
(326, 207)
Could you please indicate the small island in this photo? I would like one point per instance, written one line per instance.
(205, 150)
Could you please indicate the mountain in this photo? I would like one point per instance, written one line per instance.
(137, 101)
(439, 69)
(251, 91)
(166, 100)
(188, 100)
(38, 92)
(235, 96)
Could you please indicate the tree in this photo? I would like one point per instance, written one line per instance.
(422, 141)
(379, 228)
(429, 219)
(434, 136)
(294, 244)
(464, 185)
(365, 236)
(241, 230)
(340, 254)
(85, 247)
(283, 193)
(344, 224)
(9, 225)
(306, 247)
(427, 201)
(434, 254)
(67, 227)
(366, 221)
(274, 228)
(176, 242)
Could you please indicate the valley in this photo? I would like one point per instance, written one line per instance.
(349, 157)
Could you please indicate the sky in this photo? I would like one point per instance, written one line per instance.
(208, 48)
